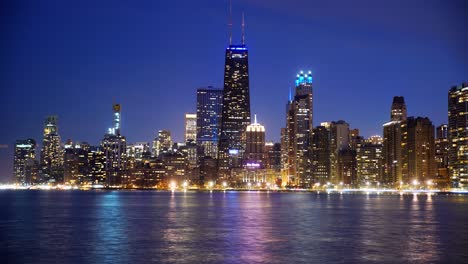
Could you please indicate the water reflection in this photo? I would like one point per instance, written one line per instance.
(232, 227)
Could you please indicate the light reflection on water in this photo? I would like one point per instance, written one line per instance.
(231, 227)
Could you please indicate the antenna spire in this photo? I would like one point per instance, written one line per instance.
(255, 117)
(243, 29)
(230, 23)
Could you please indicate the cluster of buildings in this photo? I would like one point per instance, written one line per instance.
(223, 146)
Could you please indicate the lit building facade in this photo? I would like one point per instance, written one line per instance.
(369, 161)
(76, 166)
(162, 143)
(418, 153)
(458, 135)
(209, 107)
(254, 160)
(190, 127)
(24, 162)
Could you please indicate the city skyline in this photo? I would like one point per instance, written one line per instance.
(322, 102)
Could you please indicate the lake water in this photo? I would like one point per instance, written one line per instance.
(231, 227)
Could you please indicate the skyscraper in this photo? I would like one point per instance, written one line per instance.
(458, 135)
(209, 106)
(51, 152)
(190, 127)
(299, 127)
(114, 147)
(417, 150)
(392, 142)
(236, 108)
(24, 163)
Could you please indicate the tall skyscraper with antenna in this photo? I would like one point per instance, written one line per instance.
(236, 105)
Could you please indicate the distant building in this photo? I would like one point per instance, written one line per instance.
(441, 154)
(51, 152)
(369, 161)
(176, 165)
(339, 140)
(76, 164)
(24, 163)
(97, 166)
(347, 171)
(254, 160)
(299, 125)
(114, 146)
(162, 143)
(321, 154)
(392, 142)
(458, 135)
(209, 106)
(418, 155)
(190, 127)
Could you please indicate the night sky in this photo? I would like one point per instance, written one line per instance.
(76, 58)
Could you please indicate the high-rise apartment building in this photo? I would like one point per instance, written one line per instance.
(392, 142)
(458, 135)
(339, 140)
(51, 152)
(190, 127)
(24, 163)
(441, 153)
(209, 106)
(418, 155)
(369, 161)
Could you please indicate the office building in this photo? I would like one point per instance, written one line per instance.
(209, 106)
(299, 131)
(235, 110)
(190, 127)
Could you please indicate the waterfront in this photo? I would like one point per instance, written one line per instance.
(231, 227)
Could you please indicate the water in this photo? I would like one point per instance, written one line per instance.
(231, 227)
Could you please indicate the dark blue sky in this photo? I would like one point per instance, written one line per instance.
(76, 58)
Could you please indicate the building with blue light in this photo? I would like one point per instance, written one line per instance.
(235, 110)
(299, 126)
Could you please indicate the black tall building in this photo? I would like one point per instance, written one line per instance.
(236, 108)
